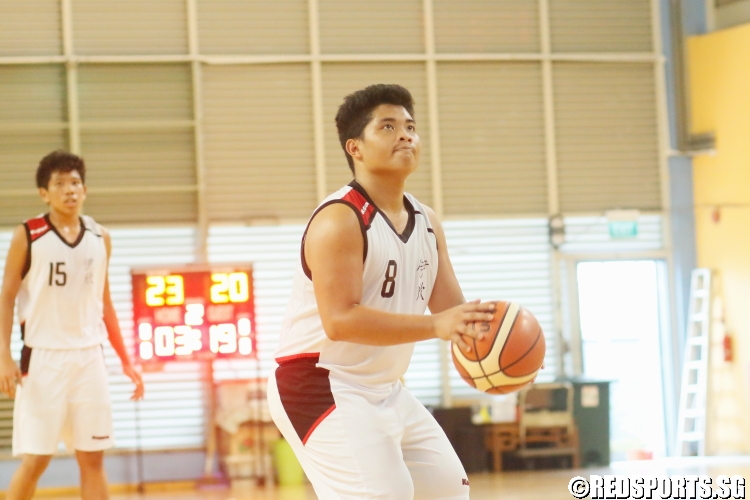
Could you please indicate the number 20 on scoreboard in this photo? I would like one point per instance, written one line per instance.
(193, 313)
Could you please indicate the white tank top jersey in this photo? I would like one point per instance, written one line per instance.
(61, 300)
(399, 274)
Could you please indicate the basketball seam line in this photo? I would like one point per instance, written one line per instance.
(510, 332)
(503, 368)
(499, 326)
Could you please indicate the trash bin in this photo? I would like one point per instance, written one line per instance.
(288, 469)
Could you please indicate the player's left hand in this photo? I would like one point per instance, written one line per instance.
(133, 374)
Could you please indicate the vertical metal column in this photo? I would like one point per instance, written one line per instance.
(316, 73)
(201, 238)
(71, 71)
(436, 171)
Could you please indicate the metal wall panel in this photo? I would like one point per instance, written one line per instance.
(257, 27)
(20, 153)
(607, 140)
(259, 149)
(482, 26)
(30, 28)
(600, 25)
(492, 138)
(340, 80)
(135, 92)
(132, 27)
(33, 94)
(384, 27)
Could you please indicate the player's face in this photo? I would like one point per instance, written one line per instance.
(65, 192)
(390, 142)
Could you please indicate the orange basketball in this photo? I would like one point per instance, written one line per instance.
(510, 354)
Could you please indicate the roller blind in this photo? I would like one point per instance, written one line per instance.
(257, 27)
(480, 26)
(132, 27)
(388, 26)
(30, 28)
(492, 135)
(340, 80)
(172, 415)
(259, 152)
(607, 138)
(600, 25)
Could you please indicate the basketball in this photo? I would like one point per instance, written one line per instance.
(510, 354)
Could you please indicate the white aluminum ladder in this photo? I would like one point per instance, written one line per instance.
(691, 416)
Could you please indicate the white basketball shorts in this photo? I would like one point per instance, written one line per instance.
(356, 443)
(64, 397)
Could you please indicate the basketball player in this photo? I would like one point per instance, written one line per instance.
(372, 259)
(57, 267)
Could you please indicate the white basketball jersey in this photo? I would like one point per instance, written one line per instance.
(399, 273)
(60, 303)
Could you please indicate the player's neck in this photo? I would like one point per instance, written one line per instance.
(387, 193)
(65, 223)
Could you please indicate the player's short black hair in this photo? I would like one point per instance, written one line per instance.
(59, 161)
(356, 111)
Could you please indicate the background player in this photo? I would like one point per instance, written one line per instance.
(372, 259)
(57, 267)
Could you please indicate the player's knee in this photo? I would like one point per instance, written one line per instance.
(90, 461)
(35, 465)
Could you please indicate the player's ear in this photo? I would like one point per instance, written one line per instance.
(352, 147)
(44, 195)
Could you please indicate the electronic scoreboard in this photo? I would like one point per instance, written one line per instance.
(193, 313)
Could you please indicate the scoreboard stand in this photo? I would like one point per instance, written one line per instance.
(195, 313)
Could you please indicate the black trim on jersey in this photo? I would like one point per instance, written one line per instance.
(411, 222)
(27, 263)
(25, 352)
(362, 228)
(305, 393)
(80, 234)
(430, 230)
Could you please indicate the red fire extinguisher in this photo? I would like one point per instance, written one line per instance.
(728, 351)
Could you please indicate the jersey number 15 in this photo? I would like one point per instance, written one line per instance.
(57, 274)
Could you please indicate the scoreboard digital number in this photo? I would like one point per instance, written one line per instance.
(193, 314)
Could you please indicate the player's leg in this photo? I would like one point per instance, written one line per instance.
(39, 414)
(434, 466)
(352, 452)
(93, 476)
(90, 418)
(23, 484)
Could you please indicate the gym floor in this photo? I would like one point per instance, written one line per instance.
(526, 485)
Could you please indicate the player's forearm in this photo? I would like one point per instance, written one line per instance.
(365, 325)
(115, 339)
(6, 323)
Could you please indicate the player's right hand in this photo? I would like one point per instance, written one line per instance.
(10, 375)
(453, 324)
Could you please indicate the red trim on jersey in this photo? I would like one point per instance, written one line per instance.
(318, 422)
(366, 209)
(37, 227)
(298, 356)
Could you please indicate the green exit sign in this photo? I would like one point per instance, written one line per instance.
(623, 229)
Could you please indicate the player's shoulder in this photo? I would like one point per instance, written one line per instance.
(94, 227)
(36, 227)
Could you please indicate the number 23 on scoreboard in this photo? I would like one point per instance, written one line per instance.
(170, 290)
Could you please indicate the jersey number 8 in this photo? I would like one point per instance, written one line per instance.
(389, 285)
